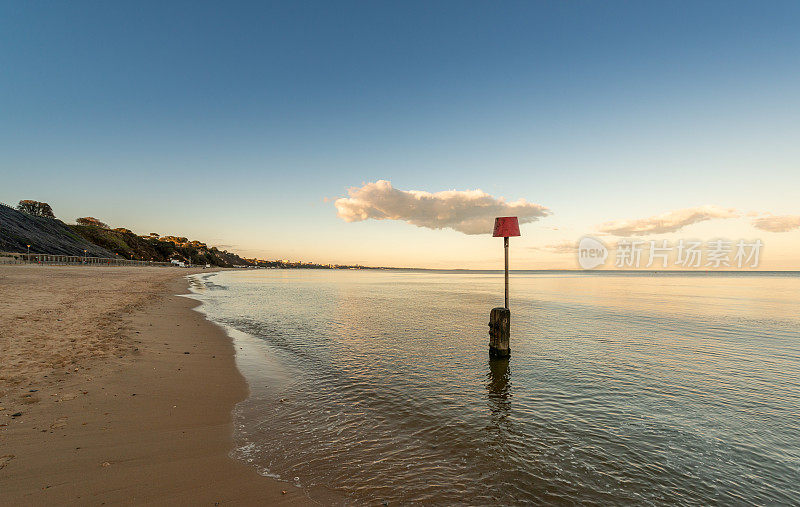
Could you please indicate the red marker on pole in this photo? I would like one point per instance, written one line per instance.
(500, 318)
(505, 227)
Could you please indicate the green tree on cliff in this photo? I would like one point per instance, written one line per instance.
(40, 209)
(92, 222)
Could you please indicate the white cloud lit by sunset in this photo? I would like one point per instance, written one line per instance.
(670, 221)
(467, 211)
(774, 223)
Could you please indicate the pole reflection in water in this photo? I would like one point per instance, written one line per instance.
(498, 384)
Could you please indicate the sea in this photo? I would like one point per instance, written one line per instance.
(622, 387)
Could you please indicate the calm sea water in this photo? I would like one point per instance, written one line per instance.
(621, 388)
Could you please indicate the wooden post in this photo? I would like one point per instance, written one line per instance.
(499, 333)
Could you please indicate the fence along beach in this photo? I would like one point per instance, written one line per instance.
(72, 260)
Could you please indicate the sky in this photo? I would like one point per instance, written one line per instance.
(391, 133)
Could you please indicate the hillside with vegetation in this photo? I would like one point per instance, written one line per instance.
(34, 223)
(154, 247)
(43, 232)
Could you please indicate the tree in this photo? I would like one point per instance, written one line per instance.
(91, 222)
(40, 209)
(175, 239)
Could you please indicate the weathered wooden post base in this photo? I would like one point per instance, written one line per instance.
(499, 333)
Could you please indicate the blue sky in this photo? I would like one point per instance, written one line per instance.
(228, 122)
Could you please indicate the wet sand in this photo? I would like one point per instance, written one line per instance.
(124, 393)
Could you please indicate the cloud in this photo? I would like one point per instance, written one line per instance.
(562, 247)
(467, 211)
(775, 223)
(670, 221)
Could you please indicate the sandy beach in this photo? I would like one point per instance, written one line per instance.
(113, 390)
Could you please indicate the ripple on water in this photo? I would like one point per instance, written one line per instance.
(620, 389)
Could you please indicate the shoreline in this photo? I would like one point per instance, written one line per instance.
(152, 424)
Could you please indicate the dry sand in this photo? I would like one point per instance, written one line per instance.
(125, 393)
